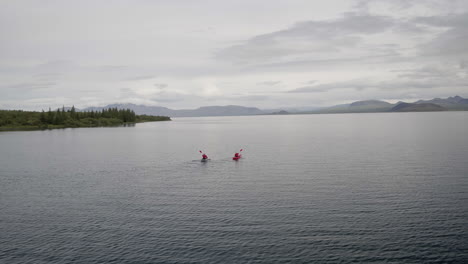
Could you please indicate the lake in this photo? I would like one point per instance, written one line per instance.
(388, 187)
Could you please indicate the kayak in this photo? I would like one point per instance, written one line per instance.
(237, 158)
(204, 160)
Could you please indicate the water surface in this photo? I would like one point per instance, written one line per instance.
(310, 188)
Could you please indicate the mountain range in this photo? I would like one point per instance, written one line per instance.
(455, 103)
(229, 110)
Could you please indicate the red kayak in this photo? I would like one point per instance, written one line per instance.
(237, 158)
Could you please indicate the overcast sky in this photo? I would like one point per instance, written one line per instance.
(186, 54)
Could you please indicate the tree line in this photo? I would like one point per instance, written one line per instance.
(71, 118)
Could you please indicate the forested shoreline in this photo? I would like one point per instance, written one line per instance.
(62, 118)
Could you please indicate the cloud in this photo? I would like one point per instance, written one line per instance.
(430, 72)
(163, 95)
(140, 78)
(309, 37)
(319, 88)
(29, 86)
(314, 89)
(127, 92)
(463, 64)
(169, 97)
(250, 98)
(454, 36)
(413, 80)
(105, 68)
(55, 67)
(269, 83)
(377, 47)
(161, 85)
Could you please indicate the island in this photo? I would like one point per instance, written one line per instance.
(13, 120)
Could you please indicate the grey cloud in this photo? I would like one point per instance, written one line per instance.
(350, 23)
(47, 75)
(251, 98)
(319, 88)
(161, 85)
(52, 68)
(106, 68)
(396, 84)
(453, 40)
(55, 67)
(26, 90)
(452, 20)
(365, 5)
(396, 6)
(428, 72)
(321, 64)
(312, 89)
(127, 92)
(308, 37)
(238, 98)
(29, 86)
(269, 83)
(463, 64)
(140, 78)
(169, 97)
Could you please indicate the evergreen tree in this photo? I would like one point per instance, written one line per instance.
(73, 113)
(42, 118)
(50, 117)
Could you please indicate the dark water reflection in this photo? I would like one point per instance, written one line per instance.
(316, 188)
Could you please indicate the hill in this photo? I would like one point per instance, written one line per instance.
(358, 107)
(455, 103)
(451, 103)
(417, 107)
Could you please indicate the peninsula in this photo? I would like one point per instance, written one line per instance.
(13, 120)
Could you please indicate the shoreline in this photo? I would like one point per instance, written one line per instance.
(52, 127)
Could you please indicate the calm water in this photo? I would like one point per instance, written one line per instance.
(376, 188)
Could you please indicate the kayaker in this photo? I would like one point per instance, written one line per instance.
(204, 156)
(236, 155)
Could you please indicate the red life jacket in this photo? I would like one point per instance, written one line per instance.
(205, 156)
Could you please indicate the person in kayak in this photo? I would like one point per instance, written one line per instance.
(236, 155)
(204, 156)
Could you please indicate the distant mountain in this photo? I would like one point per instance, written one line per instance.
(455, 103)
(370, 103)
(372, 106)
(451, 103)
(417, 107)
(229, 110)
(291, 109)
(281, 112)
(358, 107)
